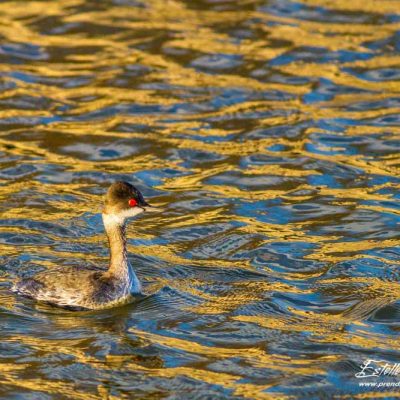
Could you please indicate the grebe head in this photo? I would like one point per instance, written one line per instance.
(123, 201)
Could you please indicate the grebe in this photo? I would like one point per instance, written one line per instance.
(96, 289)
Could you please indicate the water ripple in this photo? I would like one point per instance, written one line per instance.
(269, 131)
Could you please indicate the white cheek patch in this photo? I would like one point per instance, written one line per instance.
(120, 218)
(132, 212)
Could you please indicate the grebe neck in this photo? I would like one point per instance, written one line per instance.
(116, 232)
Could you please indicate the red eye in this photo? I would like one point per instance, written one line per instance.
(132, 202)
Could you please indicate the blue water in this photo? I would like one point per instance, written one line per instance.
(268, 131)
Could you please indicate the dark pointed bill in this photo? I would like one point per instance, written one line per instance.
(150, 208)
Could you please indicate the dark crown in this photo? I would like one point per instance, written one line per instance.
(119, 194)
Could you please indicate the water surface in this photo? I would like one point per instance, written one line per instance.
(270, 132)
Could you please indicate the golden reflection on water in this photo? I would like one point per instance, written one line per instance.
(268, 130)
